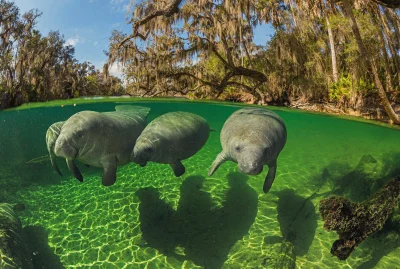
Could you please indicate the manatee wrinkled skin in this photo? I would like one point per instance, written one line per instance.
(14, 252)
(51, 137)
(171, 138)
(252, 138)
(101, 139)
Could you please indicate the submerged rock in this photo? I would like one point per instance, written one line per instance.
(354, 222)
(13, 251)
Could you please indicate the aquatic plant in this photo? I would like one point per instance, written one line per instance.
(354, 222)
(13, 251)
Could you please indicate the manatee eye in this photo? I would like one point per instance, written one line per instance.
(148, 150)
(238, 148)
(79, 134)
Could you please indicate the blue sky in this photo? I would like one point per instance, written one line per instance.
(87, 24)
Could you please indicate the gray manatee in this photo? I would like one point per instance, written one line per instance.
(101, 139)
(51, 136)
(252, 138)
(171, 138)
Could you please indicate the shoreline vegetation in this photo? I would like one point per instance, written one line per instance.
(337, 57)
(129, 99)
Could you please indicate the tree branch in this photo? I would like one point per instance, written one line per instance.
(170, 10)
(389, 3)
(180, 74)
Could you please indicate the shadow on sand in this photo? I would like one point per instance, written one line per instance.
(206, 234)
(43, 257)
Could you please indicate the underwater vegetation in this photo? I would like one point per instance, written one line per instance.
(14, 251)
(354, 222)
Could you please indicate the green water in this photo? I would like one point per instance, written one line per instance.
(151, 219)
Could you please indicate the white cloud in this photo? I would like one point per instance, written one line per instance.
(72, 41)
(116, 69)
(117, 2)
(121, 5)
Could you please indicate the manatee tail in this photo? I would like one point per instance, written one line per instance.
(221, 158)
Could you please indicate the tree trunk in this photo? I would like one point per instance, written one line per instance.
(393, 18)
(375, 14)
(390, 45)
(381, 92)
(333, 50)
(389, 84)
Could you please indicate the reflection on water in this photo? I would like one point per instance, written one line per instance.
(151, 219)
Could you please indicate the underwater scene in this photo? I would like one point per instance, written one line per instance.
(153, 215)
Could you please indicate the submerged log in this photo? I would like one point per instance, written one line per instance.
(354, 222)
(13, 251)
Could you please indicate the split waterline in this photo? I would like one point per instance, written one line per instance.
(151, 218)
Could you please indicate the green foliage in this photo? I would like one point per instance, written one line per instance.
(364, 86)
(341, 89)
(40, 68)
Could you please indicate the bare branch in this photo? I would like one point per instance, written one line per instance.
(167, 12)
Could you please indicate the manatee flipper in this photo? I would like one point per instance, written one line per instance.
(110, 171)
(74, 170)
(54, 164)
(221, 158)
(178, 168)
(269, 179)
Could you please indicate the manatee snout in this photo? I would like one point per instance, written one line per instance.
(249, 162)
(139, 157)
(250, 168)
(64, 149)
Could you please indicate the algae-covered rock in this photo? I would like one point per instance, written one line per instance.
(354, 222)
(13, 251)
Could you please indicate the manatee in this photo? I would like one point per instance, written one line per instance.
(101, 139)
(252, 138)
(171, 138)
(51, 136)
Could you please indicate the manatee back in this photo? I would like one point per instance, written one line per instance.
(128, 114)
(256, 125)
(181, 134)
(52, 134)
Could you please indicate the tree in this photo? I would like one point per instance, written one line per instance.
(347, 8)
(173, 34)
(40, 68)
